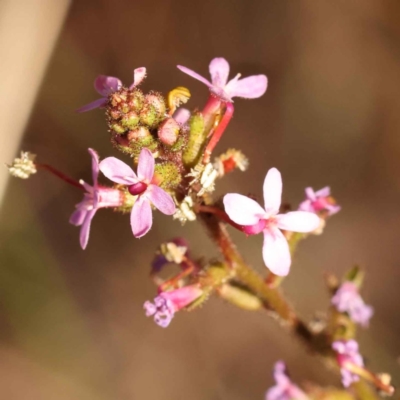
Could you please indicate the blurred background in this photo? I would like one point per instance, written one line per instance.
(72, 324)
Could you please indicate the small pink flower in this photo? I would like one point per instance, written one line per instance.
(347, 353)
(139, 185)
(347, 299)
(248, 88)
(284, 389)
(247, 212)
(318, 201)
(95, 197)
(167, 304)
(106, 85)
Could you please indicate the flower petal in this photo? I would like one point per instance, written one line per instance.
(324, 192)
(85, 229)
(161, 199)
(138, 75)
(77, 217)
(181, 115)
(117, 171)
(105, 85)
(94, 104)
(141, 217)
(272, 191)
(194, 75)
(145, 169)
(249, 88)
(219, 71)
(95, 166)
(242, 209)
(298, 221)
(276, 252)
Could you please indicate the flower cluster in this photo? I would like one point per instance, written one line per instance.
(348, 357)
(347, 299)
(284, 388)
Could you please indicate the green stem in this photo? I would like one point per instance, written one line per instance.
(272, 299)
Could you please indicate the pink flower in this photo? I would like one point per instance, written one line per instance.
(284, 389)
(347, 355)
(347, 299)
(248, 88)
(139, 185)
(247, 212)
(95, 197)
(168, 303)
(318, 201)
(106, 85)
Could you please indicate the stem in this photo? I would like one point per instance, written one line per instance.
(60, 175)
(219, 130)
(220, 214)
(272, 299)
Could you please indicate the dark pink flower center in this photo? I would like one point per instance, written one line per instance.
(137, 188)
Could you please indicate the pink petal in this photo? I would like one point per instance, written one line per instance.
(85, 229)
(138, 75)
(272, 191)
(242, 209)
(248, 88)
(298, 221)
(94, 104)
(324, 192)
(310, 194)
(181, 115)
(219, 71)
(95, 165)
(276, 253)
(161, 199)
(117, 171)
(145, 169)
(141, 217)
(194, 75)
(77, 217)
(105, 85)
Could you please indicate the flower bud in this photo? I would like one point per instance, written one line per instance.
(153, 111)
(130, 120)
(167, 175)
(168, 131)
(197, 138)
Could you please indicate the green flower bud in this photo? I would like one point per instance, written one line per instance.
(154, 109)
(167, 175)
(196, 141)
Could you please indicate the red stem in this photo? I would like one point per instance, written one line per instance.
(220, 214)
(219, 130)
(60, 175)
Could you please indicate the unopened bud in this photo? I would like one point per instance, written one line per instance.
(24, 166)
(168, 131)
(130, 120)
(153, 111)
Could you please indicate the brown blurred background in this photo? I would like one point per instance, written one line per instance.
(72, 324)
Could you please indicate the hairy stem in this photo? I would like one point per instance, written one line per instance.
(272, 299)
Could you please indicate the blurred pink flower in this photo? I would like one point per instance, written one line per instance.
(167, 303)
(95, 197)
(347, 299)
(106, 85)
(320, 200)
(248, 88)
(284, 389)
(247, 212)
(347, 353)
(139, 185)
